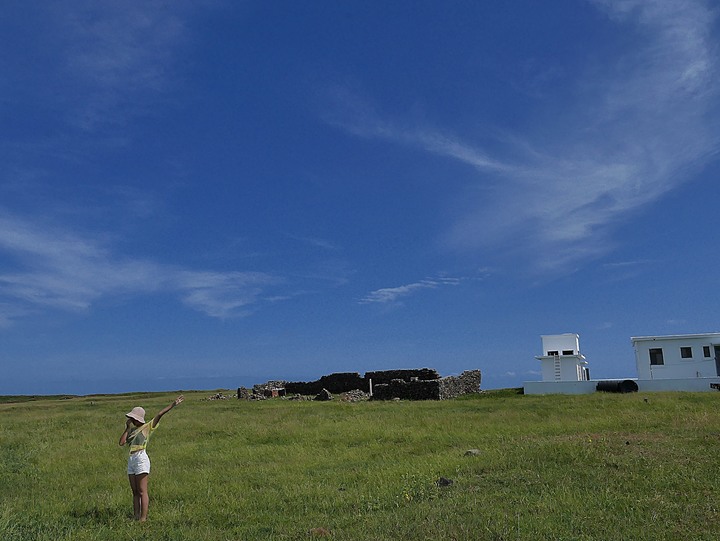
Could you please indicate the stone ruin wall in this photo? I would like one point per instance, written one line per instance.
(269, 386)
(407, 390)
(437, 389)
(268, 389)
(341, 382)
(419, 384)
(467, 382)
(379, 377)
(344, 382)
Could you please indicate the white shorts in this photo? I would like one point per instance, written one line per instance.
(138, 462)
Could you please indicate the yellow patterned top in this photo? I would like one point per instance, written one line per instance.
(138, 438)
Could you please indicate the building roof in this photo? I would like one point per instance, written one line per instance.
(675, 337)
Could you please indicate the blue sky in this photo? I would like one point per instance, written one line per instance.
(213, 194)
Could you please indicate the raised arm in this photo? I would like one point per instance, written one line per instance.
(123, 437)
(163, 411)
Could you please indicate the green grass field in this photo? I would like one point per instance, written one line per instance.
(602, 466)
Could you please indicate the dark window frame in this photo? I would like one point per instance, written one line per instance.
(706, 352)
(686, 352)
(656, 356)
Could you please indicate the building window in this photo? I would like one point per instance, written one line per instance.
(552, 353)
(706, 351)
(686, 352)
(656, 356)
(568, 352)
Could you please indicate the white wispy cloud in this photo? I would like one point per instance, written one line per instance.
(392, 294)
(60, 269)
(626, 270)
(315, 241)
(637, 128)
(114, 57)
(355, 115)
(221, 294)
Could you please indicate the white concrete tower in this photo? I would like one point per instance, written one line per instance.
(561, 359)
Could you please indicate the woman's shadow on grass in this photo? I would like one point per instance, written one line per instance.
(102, 515)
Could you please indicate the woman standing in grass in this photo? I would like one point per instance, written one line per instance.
(137, 434)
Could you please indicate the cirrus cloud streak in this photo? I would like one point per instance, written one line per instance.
(637, 127)
(392, 294)
(54, 268)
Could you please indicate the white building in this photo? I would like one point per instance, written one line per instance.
(564, 369)
(686, 362)
(684, 356)
(561, 359)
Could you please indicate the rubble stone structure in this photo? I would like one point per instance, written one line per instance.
(435, 389)
(270, 388)
(417, 384)
(467, 382)
(386, 376)
(341, 382)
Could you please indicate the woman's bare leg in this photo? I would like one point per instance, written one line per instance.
(141, 481)
(136, 495)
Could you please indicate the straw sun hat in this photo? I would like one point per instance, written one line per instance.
(137, 413)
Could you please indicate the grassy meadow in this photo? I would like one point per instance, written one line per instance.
(601, 466)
